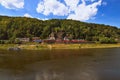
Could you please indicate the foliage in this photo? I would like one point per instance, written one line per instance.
(2, 42)
(17, 41)
(107, 40)
(21, 27)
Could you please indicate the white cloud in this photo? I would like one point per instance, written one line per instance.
(92, 0)
(52, 6)
(72, 9)
(72, 4)
(28, 15)
(44, 19)
(12, 4)
(85, 12)
(40, 7)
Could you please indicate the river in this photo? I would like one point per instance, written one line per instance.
(82, 64)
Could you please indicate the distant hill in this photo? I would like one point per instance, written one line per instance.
(14, 27)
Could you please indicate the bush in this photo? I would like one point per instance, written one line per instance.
(17, 41)
(9, 42)
(2, 42)
(106, 40)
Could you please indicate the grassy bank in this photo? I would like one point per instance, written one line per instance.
(57, 46)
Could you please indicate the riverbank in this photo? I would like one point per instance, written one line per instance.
(57, 46)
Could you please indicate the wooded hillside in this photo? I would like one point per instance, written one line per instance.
(19, 27)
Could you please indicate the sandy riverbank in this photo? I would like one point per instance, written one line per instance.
(57, 46)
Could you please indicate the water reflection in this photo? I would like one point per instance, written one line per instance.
(84, 64)
(49, 76)
(81, 75)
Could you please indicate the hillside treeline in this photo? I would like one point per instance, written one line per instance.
(21, 27)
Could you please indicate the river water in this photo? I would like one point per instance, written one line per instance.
(82, 64)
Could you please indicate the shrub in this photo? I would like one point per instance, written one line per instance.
(107, 40)
(2, 41)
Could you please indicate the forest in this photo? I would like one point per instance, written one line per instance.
(23, 27)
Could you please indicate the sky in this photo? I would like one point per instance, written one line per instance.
(93, 11)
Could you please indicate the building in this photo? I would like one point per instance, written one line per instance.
(52, 36)
(36, 39)
(23, 39)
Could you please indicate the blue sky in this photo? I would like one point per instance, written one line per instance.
(94, 11)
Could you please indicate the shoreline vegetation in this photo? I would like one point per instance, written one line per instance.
(57, 46)
(20, 33)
